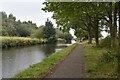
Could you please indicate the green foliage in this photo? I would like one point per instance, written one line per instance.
(67, 37)
(3, 32)
(38, 33)
(41, 69)
(11, 27)
(105, 42)
(49, 31)
(108, 57)
(61, 40)
(23, 30)
(63, 35)
(100, 62)
(20, 41)
(80, 33)
(89, 17)
(59, 33)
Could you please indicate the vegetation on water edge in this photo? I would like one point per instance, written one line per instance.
(41, 69)
(20, 41)
(100, 62)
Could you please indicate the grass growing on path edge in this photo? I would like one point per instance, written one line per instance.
(40, 70)
(100, 62)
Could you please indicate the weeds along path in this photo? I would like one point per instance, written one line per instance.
(71, 67)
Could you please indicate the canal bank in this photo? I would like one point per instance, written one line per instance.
(39, 70)
(17, 59)
(8, 42)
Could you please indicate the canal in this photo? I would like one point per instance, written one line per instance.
(15, 60)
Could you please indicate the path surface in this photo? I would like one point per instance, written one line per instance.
(72, 66)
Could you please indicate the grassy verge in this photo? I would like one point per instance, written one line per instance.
(100, 62)
(41, 69)
(20, 41)
(61, 40)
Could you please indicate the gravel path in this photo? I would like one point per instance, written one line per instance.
(71, 67)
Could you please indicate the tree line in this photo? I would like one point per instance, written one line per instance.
(88, 18)
(12, 27)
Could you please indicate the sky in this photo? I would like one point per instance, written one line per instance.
(27, 10)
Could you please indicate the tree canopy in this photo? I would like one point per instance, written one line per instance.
(11, 27)
(86, 18)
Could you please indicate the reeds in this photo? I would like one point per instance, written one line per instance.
(6, 42)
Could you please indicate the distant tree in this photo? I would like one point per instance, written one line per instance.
(59, 34)
(63, 35)
(11, 27)
(23, 30)
(68, 37)
(38, 33)
(49, 31)
(3, 32)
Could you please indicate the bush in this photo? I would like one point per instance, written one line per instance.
(52, 40)
(107, 57)
(106, 42)
(61, 40)
(38, 33)
(3, 32)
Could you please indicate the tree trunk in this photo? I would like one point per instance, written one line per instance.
(112, 36)
(119, 41)
(90, 35)
(115, 27)
(96, 31)
(97, 36)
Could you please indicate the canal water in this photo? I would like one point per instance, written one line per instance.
(15, 60)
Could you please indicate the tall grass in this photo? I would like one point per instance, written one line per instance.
(100, 62)
(19, 41)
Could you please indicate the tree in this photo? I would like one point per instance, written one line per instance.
(3, 32)
(49, 31)
(11, 27)
(119, 38)
(64, 35)
(38, 33)
(23, 30)
(65, 14)
(73, 15)
(68, 37)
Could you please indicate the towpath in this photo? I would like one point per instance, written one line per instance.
(72, 66)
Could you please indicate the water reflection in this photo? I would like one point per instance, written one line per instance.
(15, 60)
(49, 49)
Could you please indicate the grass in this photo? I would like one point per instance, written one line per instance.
(20, 41)
(61, 40)
(41, 69)
(100, 62)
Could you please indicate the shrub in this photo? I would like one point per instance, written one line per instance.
(105, 42)
(107, 57)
